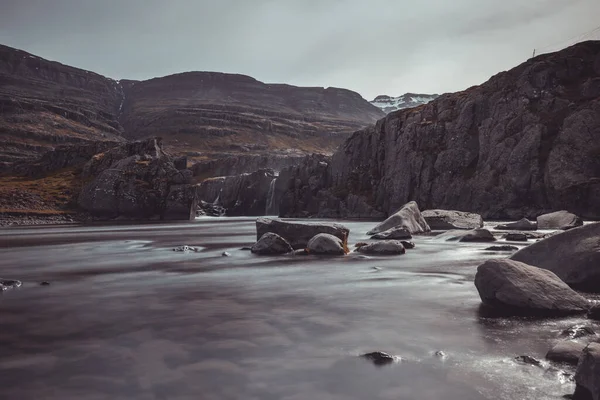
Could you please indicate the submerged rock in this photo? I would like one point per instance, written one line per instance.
(396, 233)
(271, 244)
(559, 220)
(523, 289)
(475, 235)
(516, 237)
(448, 219)
(587, 377)
(528, 360)
(384, 247)
(502, 248)
(6, 284)
(566, 352)
(573, 255)
(578, 331)
(521, 225)
(407, 245)
(186, 249)
(326, 244)
(408, 217)
(379, 358)
(297, 233)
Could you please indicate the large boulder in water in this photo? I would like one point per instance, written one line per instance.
(573, 255)
(521, 225)
(408, 217)
(297, 233)
(559, 220)
(587, 376)
(448, 219)
(566, 351)
(397, 233)
(523, 289)
(384, 247)
(271, 244)
(475, 235)
(326, 244)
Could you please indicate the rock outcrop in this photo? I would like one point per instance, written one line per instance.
(245, 194)
(298, 234)
(513, 286)
(137, 180)
(587, 376)
(559, 220)
(446, 219)
(407, 217)
(573, 255)
(522, 144)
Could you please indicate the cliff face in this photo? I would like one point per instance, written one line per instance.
(45, 103)
(525, 142)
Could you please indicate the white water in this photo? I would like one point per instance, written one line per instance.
(270, 196)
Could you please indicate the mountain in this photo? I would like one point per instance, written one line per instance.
(44, 103)
(389, 104)
(523, 143)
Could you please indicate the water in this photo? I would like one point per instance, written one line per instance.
(270, 196)
(125, 317)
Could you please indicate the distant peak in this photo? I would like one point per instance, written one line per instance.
(389, 104)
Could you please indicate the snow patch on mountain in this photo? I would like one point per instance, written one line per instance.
(389, 104)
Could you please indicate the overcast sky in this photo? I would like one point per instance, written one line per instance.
(370, 46)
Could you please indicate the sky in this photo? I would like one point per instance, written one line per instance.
(370, 46)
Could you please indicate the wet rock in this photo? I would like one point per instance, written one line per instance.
(298, 233)
(475, 235)
(384, 247)
(181, 203)
(594, 312)
(6, 284)
(245, 248)
(407, 245)
(502, 248)
(210, 209)
(587, 377)
(525, 290)
(393, 234)
(566, 352)
(521, 225)
(326, 244)
(379, 358)
(186, 249)
(528, 360)
(360, 244)
(578, 331)
(44, 283)
(559, 220)
(448, 219)
(225, 254)
(516, 237)
(408, 217)
(440, 354)
(573, 255)
(271, 244)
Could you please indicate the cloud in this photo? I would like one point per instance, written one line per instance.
(374, 47)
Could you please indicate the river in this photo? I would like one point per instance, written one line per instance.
(126, 317)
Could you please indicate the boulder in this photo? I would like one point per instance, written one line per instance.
(396, 233)
(578, 331)
(447, 219)
(6, 284)
(566, 352)
(408, 245)
(326, 244)
(559, 220)
(587, 377)
(379, 358)
(475, 235)
(523, 289)
(516, 237)
(270, 244)
(502, 248)
(594, 312)
(573, 255)
(384, 247)
(521, 225)
(297, 233)
(408, 217)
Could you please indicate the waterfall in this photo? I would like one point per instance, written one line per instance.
(216, 202)
(270, 197)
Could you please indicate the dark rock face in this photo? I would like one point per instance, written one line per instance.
(521, 225)
(299, 234)
(246, 194)
(445, 219)
(520, 288)
(242, 164)
(524, 143)
(137, 180)
(587, 376)
(559, 220)
(594, 312)
(573, 255)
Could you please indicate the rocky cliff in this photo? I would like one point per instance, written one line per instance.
(45, 103)
(525, 142)
(236, 165)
